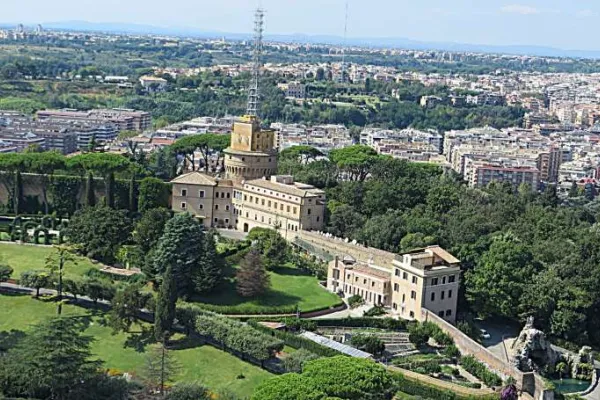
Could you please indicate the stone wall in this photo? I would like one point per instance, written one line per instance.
(339, 247)
(528, 382)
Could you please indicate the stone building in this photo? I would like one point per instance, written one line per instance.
(423, 279)
(250, 195)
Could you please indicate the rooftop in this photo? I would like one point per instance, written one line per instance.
(195, 178)
(332, 344)
(293, 188)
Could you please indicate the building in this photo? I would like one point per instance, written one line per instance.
(124, 119)
(293, 90)
(422, 279)
(250, 195)
(153, 84)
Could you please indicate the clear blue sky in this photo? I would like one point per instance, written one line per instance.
(567, 24)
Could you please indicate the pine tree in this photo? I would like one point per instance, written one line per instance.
(252, 277)
(165, 305)
(132, 194)
(208, 276)
(161, 368)
(90, 195)
(109, 183)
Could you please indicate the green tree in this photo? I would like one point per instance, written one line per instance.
(302, 154)
(161, 368)
(273, 247)
(189, 391)
(98, 232)
(55, 263)
(125, 307)
(90, 191)
(35, 279)
(354, 161)
(5, 272)
(182, 246)
(53, 361)
(153, 193)
(164, 313)
(45, 164)
(288, 387)
(294, 362)
(18, 193)
(369, 343)
(150, 228)
(252, 277)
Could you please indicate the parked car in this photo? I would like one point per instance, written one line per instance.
(484, 334)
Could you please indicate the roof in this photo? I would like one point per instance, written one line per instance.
(332, 344)
(195, 178)
(444, 255)
(295, 189)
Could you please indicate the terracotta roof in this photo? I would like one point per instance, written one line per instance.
(370, 271)
(195, 178)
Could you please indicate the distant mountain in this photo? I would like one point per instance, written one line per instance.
(389, 42)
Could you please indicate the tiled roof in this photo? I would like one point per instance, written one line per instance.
(195, 178)
(300, 190)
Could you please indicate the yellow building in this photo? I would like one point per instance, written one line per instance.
(251, 195)
(425, 279)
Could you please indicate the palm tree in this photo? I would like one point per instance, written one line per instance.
(561, 368)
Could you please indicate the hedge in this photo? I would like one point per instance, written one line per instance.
(295, 341)
(480, 371)
(365, 322)
(418, 388)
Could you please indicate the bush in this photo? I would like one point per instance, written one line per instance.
(451, 351)
(418, 388)
(378, 323)
(188, 391)
(295, 361)
(374, 312)
(480, 371)
(355, 301)
(369, 343)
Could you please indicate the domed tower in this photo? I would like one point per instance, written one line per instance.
(252, 153)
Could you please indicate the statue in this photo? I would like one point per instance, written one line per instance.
(532, 352)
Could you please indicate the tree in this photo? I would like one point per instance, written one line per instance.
(320, 76)
(288, 387)
(36, 279)
(273, 247)
(183, 246)
(355, 162)
(252, 277)
(574, 190)
(90, 191)
(369, 343)
(125, 307)
(562, 368)
(153, 193)
(211, 265)
(55, 262)
(44, 164)
(206, 143)
(161, 368)
(164, 313)
(302, 154)
(96, 290)
(132, 203)
(53, 361)
(150, 228)
(99, 231)
(5, 273)
(189, 391)
(18, 193)
(293, 362)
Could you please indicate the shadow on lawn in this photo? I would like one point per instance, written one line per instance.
(290, 271)
(186, 342)
(226, 295)
(14, 292)
(139, 340)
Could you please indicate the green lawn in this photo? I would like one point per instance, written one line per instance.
(214, 368)
(289, 287)
(23, 258)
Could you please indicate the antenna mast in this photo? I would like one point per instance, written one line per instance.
(343, 76)
(253, 92)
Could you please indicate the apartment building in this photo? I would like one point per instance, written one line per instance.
(124, 119)
(293, 90)
(422, 279)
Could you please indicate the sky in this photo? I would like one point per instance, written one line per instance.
(565, 24)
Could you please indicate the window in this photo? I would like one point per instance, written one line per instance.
(403, 298)
(222, 195)
(226, 208)
(247, 215)
(262, 203)
(441, 314)
(201, 194)
(396, 287)
(228, 195)
(411, 314)
(269, 204)
(288, 208)
(201, 206)
(364, 281)
(444, 280)
(442, 295)
(216, 219)
(413, 294)
(245, 197)
(396, 272)
(226, 220)
(372, 284)
(414, 280)
(217, 194)
(308, 211)
(404, 276)
(433, 296)
(183, 205)
(295, 210)
(317, 219)
(281, 208)
(448, 313)
(256, 200)
(356, 279)
(434, 281)
(449, 294)
(183, 192)
(451, 278)
(216, 206)
(395, 306)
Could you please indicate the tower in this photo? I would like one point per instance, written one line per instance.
(252, 153)
(253, 89)
(343, 71)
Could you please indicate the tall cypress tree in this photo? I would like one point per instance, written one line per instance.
(132, 194)
(18, 193)
(164, 314)
(90, 195)
(109, 182)
(208, 276)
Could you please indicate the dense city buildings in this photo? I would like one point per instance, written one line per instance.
(124, 119)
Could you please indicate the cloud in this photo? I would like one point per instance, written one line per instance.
(521, 9)
(586, 13)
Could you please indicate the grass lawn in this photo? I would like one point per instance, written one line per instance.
(23, 258)
(289, 287)
(216, 369)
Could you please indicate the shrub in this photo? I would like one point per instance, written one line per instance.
(480, 371)
(374, 312)
(451, 351)
(5, 272)
(378, 323)
(295, 361)
(355, 301)
(424, 390)
(369, 343)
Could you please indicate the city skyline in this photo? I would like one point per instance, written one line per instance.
(495, 23)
